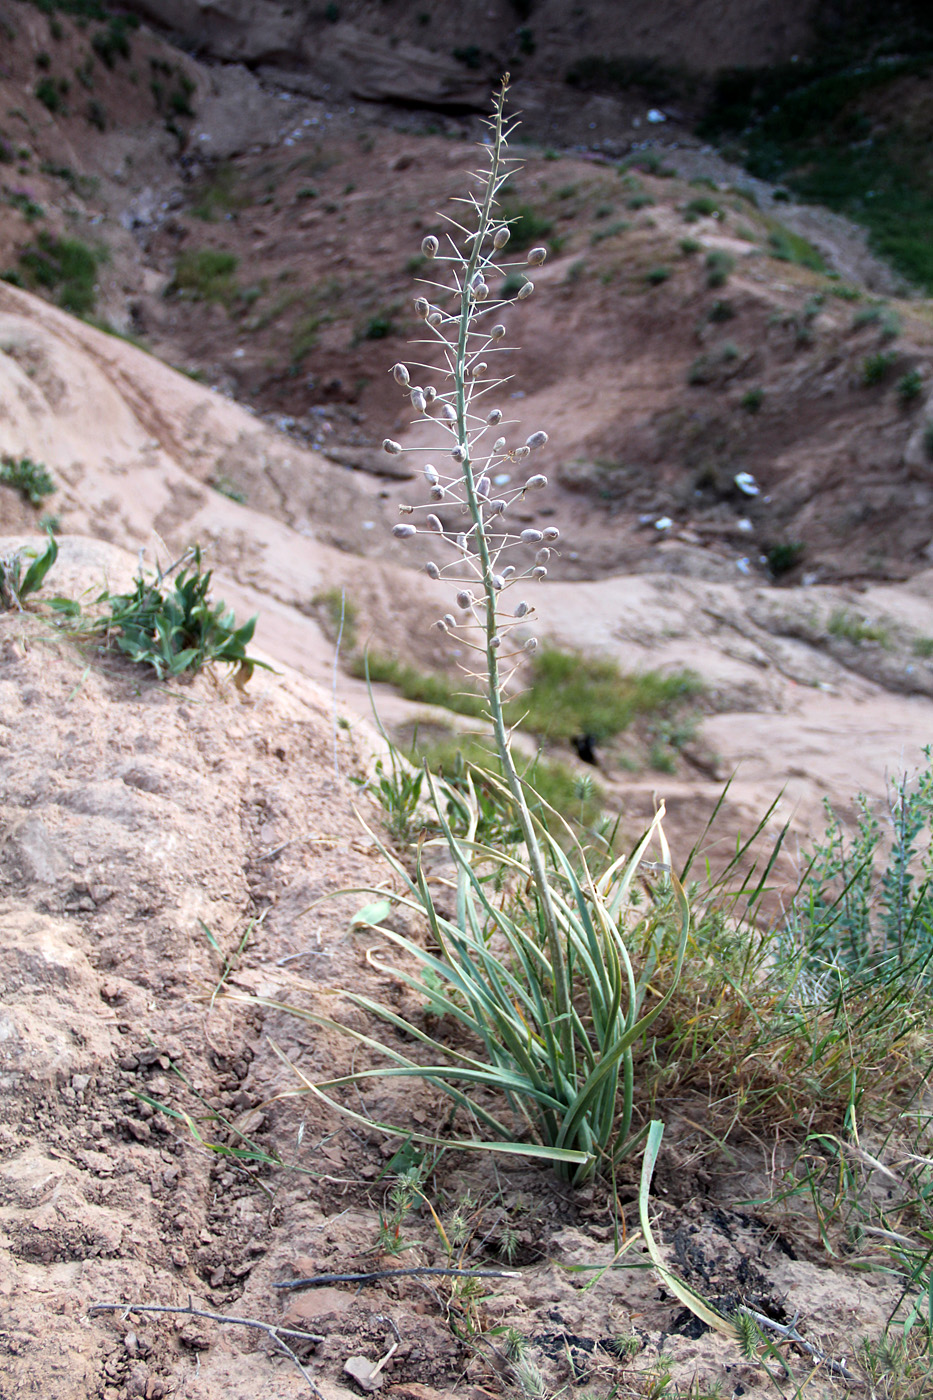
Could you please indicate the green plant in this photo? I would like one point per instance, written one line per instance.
(526, 225)
(206, 274)
(876, 368)
(531, 960)
(702, 207)
(848, 627)
(656, 275)
(783, 557)
(867, 905)
(16, 585)
(173, 626)
(718, 265)
(791, 247)
(909, 386)
(65, 264)
(689, 246)
(721, 310)
(31, 479)
(752, 399)
(50, 94)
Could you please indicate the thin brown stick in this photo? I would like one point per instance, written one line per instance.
(272, 1331)
(317, 1280)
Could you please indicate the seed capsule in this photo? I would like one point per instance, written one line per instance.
(404, 532)
(494, 417)
(498, 582)
(459, 454)
(450, 620)
(422, 307)
(430, 475)
(495, 643)
(430, 245)
(525, 291)
(393, 448)
(508, 572)
(438, 493)
(542, 556)
(432, 570)
(400, 375)
(521, 453)
(536, 257)
(500, 237)
(478, 369)
(535, 483)
(418, 402)
(434, 524)
(435, 318)
(482, 487)
(496, 507)
(441, 625)
(520, 610)
(532, 536)
(539, 571)
(536, 440)
(499, 445)
(480, 292)
(430, 393)
(552, 533)
(531, 644)
(497, 333)
(465, 599)
(449, 413)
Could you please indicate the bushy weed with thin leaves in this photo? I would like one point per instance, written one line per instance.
(173, 626)
(32, 480)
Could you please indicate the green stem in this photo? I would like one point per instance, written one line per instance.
(510, 773)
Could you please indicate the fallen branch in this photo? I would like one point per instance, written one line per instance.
(272, 1331)
(790, 1334)
(419, 1271)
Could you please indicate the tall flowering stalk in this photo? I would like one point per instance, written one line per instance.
(539, 978)
(480, 552)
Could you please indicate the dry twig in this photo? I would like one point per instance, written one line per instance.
(274, 1332)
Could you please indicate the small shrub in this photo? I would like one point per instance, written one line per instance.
(206, 274)
(656, 275)
(48, 93)
(639, 201)
(783, 557)
(97, 115)
(112, 43)
(689, 246)
(718, 266)
(910, 386)
(849, 627)
(31, 479)
(378, 327)
(610, 231)
(512, 284)
(720, 311)
(526, 225)
(338, 615)
(702, 207)
(65, 265)
(752, 399)
(790, 247)
(876, 368)
(175, 628)
(923, 647)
